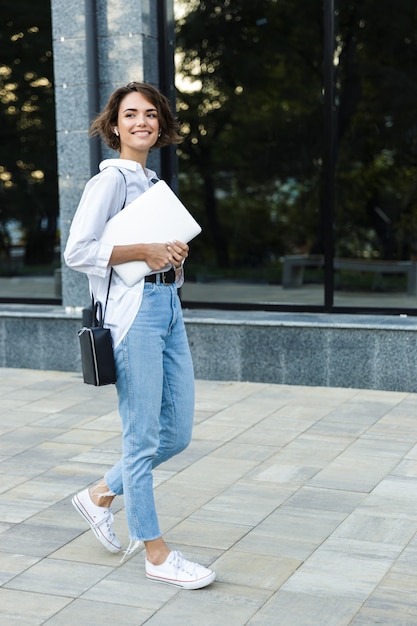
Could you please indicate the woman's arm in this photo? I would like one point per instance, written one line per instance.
(83, 251)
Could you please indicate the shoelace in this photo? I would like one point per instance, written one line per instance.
(133, 545)
(179, 563)
(107, 519)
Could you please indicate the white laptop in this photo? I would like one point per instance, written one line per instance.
(157, 216)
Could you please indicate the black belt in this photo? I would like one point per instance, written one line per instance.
(166, 278)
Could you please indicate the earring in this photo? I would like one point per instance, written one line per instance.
(116, 132)
(159, 134)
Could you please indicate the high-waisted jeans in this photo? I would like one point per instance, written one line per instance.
(155, 386)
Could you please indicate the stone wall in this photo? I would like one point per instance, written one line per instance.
(126, 50)
(374, 352)
(364, 352)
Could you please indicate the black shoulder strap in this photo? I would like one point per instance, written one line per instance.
(124, 178)
(111, 271)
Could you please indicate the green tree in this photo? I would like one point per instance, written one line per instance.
(251, 157)
(251, 162)
(28, 169)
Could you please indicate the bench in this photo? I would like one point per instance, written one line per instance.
(293, 268)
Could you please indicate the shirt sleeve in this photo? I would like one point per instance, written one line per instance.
(102, 198)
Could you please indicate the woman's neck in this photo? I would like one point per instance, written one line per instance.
(139, 157)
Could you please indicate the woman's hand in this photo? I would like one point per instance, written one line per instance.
(162, 254)
(156, 255)
(179, 252)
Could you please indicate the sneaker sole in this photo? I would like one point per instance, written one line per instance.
(192, 584)
(104, 542)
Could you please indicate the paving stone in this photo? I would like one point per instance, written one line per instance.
(61, 578)
(302, 498)
(30, 609)
(304, 609)
(82, 612)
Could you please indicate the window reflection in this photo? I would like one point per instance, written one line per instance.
(250, 89)
(29, 239)
(250, 96)
(250, 93)
(376, 206)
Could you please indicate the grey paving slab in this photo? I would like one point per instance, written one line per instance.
(231, 605)
(246, 503)
(385, 530)
(406, 562)
(265, 571)
(28, 608)
(394, 602)
(291, 532)
(216, 535)
(304, 609)
(348, 472)
(395, 496)
(61, 578)
(372, 446)
(303, 499)
(36, 539)
(82, 611)
(13, 564)
(335, 500)
(345, 568)
(18, 440)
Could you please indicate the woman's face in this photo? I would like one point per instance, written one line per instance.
(138, 126)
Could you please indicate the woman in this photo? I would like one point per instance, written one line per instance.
(155, 378)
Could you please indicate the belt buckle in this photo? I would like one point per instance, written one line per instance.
(163, 278)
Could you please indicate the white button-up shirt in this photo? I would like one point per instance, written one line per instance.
(105, 195)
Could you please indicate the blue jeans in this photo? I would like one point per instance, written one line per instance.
(155, 386)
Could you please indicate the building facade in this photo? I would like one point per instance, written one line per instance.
(298, 158)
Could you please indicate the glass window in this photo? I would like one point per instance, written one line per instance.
(250, 91)
(376, 193)
(250, 96)
(29, 251)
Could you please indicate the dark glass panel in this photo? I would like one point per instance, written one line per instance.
(28, 168)
(376, 207)
(249, 79)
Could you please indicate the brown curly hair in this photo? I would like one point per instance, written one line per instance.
(105, 122)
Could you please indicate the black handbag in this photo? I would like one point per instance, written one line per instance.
(97, 356)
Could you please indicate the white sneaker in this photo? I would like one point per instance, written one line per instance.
(99, 518)
(178, 571)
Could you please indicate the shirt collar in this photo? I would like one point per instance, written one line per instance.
(127, 165)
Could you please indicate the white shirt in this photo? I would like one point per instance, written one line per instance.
(105, 195)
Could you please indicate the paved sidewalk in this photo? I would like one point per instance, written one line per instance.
(303, 499)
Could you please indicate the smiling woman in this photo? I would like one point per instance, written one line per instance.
(155, 377)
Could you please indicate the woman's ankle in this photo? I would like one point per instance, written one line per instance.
(157, 551)
(101, 495)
